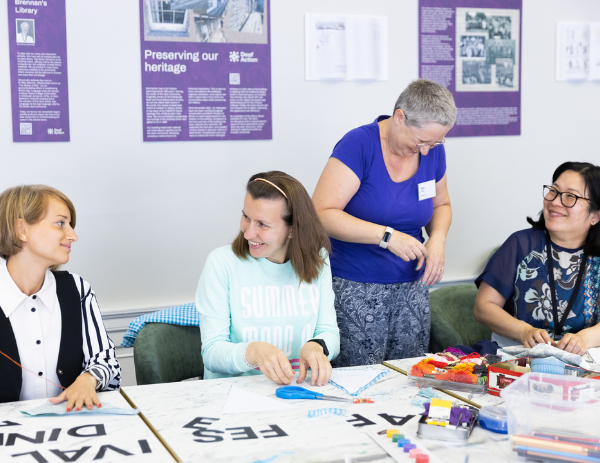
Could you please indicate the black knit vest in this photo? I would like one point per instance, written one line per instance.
(70, 355)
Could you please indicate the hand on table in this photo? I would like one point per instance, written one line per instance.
(272, 361)
(312, 356)
(406, 247)
(535, 336)
(574, 343)
(81, 392)
(434, 265)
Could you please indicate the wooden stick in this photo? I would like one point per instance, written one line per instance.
(445, 391)
(152, 428)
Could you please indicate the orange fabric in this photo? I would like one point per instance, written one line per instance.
(461, 373)
(423, 367)
(436, 363)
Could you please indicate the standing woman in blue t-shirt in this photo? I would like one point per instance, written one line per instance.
(541, 286)
(383, 183)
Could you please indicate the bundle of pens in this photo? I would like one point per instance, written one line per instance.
(451, 366)
(553, 445)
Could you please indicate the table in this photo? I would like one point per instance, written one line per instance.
(104, 438)
(187, 415)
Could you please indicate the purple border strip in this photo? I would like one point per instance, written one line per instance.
(479, 99)
(210, 71)
(45, 43)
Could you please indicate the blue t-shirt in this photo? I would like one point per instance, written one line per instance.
(385, 202)
(519, 272)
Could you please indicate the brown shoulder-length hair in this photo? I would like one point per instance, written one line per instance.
(308, 233)
(29, 203)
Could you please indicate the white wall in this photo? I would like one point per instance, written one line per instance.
(149, 213)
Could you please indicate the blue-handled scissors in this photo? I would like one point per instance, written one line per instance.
(297, 392)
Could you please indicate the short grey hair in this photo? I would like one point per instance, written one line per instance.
(424, 102)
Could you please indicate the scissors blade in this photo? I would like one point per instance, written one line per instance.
(337, 399)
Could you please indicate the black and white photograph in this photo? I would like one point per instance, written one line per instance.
(505, 72)
(499, 27)
(499, 49)
(472, 46)
(476, 21)
(487, 48)
(25, 31)
(476, 72)
(212, 21)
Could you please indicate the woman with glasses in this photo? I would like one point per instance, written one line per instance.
(541, 286)
(382, 184)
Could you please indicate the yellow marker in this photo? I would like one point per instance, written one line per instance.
(391, 432)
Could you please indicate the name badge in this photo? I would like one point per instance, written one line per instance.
(426, 190)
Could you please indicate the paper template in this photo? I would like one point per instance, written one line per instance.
(49, 409)
(242, 401)
(577, 51)
(346, 47)
(594, 353)
(354, 381)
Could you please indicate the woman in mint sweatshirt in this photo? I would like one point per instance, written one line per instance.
(266, 301)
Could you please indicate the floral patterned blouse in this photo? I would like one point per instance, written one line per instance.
(518, 271)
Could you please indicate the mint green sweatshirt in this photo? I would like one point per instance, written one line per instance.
(246, 300)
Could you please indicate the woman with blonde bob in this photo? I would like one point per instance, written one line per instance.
(52, 338)
(266, 301)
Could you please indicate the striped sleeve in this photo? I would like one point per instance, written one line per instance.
(98, 349)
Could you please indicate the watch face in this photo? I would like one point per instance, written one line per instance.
(386, 236)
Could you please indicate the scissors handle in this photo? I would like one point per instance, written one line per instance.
(296, 392)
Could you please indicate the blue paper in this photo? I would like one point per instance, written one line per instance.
(49, 409)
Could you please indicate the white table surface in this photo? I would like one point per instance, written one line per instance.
(170, 407)
(58, 433)
(263, 437)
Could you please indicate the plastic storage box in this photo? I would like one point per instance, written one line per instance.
(545, 403)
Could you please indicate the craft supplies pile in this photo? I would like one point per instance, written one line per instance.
(455, 366)
(443, 420)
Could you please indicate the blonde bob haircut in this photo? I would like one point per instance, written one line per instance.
(308, 234)
(29, 203)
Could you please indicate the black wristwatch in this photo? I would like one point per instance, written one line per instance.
(323, 345)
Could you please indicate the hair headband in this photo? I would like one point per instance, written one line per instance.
(271, 183)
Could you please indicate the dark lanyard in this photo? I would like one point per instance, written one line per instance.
(558, 324)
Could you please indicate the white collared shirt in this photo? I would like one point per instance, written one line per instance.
(37, 324)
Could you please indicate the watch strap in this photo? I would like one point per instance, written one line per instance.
(323, 345)
(386, 237)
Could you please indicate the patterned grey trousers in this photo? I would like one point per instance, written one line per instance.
(380, 322)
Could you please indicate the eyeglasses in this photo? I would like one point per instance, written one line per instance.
(425, 145)
(568, 200)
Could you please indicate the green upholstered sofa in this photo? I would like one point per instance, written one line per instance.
(452, 320)
(165, 353)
